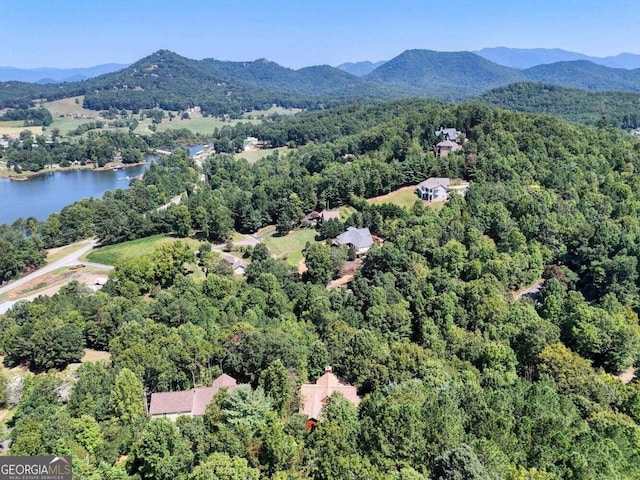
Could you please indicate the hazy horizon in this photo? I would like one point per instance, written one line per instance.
(296, 34)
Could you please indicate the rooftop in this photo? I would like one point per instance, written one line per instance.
(434, 182)
(189, 402)
(314, 396)
(358, 237)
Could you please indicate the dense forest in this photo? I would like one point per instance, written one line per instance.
(620, 109)
(459, 379)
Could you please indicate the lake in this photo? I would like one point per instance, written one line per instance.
(43, 194)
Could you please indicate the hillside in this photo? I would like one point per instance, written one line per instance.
(531, 57)
(172, 82)
(447, 75)
(450, 373)
(621, 108)
(586, 76)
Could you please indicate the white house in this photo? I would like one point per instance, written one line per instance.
(434, 189)
(438, 189)
(250, 143)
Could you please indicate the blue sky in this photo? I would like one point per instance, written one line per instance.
(296, 33)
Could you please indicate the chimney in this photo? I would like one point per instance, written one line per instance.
(328, 369)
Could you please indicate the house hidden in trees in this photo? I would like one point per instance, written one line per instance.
(318, 218)
(445, 147)
(190, 402)
(250, 143)
(438, 189)
(314, 396)
(448, 133)
(359, 238)
(449, 144)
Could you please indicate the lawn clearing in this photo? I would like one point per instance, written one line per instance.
(91, 355)
(404, 197)
(254, 155)
(68, 106)
(289, 247)
(122, 252)
(14, 127)
(55, 254)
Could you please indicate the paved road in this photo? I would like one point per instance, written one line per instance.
(68, 261)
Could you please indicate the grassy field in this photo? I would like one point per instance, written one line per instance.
(196, 123)
(254, 156)
(290, 246)
(403, 197)
(122, 252)
(68, 106)
(13, 128)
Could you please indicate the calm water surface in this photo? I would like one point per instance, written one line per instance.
(50, 192)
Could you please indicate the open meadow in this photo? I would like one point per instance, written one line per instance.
(289, 247)
(122, 252)
(253, 156)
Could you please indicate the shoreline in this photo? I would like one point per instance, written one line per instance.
(109, 167)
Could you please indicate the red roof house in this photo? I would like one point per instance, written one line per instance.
(190, 402)
(314, 396)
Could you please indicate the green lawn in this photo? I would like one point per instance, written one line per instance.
(254, 156)
(289, 247)
(403, 197)
(66, 106)
(122, 252)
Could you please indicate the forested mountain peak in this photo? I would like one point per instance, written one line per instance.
(446, 74)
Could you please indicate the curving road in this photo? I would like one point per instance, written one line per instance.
(67, 261)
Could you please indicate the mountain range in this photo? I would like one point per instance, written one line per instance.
(531, 57)
(54, 75)
(167, 80)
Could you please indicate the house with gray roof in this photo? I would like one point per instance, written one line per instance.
(434, 189)
(438, 189)
(360, 238)
(448, 133)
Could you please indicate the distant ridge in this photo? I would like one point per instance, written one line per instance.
(530, 57)
(360, 69)
(54, 75)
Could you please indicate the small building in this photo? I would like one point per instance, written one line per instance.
(327, 215)
(448, 133)
(238, 266)
(192, 402)
(359, 238)
(445, 147)
(250, 143)
(314, 396)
